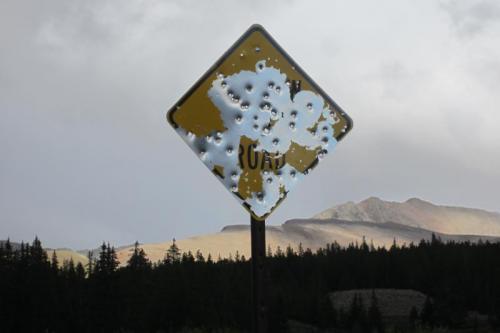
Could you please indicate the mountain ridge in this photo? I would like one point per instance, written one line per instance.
(419, 213)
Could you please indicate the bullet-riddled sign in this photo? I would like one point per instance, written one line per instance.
(258, 122)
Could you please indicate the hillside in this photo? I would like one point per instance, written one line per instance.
(312, 233)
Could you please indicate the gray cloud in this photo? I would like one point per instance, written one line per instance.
(472, 17)
(87, 154)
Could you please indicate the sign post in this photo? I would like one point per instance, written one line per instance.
(259, 306)
(261, 125)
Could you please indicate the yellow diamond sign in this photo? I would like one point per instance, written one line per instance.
(258, 122)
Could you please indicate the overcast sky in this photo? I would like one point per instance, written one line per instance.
(86, 154)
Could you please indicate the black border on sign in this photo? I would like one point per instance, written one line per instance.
(259, 28)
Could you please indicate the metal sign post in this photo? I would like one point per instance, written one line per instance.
(261, 125)
(259, 306)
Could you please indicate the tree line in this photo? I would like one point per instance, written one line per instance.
(190, 291)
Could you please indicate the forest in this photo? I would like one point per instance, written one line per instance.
(190, 292)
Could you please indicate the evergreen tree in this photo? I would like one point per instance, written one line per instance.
(435, 240)
(394, 245)
(80, 271)
(138, 261)
(173, 254)
(8, 253)
(69, 268)
(23, 253)
(199, 256)
(112, 258)
(209, 259)
(54, 263)
(300, 250)
(101, 264)
(90, 263)
(107, 263)
(279, 252)
(269, 251)
(187, 257)
(36, 253)
(364, 246)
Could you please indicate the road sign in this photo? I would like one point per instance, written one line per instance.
(258, 122)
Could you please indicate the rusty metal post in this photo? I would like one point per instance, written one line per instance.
(259, 306)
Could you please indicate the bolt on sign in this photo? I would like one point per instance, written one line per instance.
(259, 122)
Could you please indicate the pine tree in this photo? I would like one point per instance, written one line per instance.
(36, 253)
(138, 261)
(269, 251)
(199, 256)
(54, 263)
(107, 263)
(209, 259)
(23, 253)
(90, 263)
(300, 251)
(8, 253)
(364, 245)
(101, 262)
(112, 259)
(80, 271)
(173, 254)
(279, 252)
(187, 257)
(394, 245)
(69, 268)
(435, 240)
